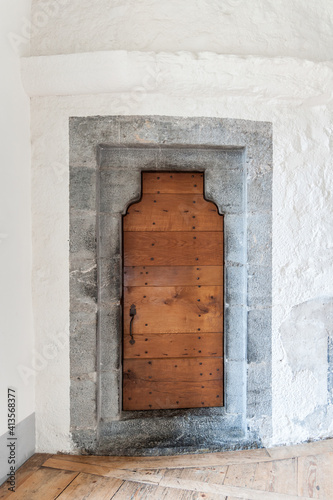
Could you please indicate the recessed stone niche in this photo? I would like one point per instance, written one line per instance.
(107, 156)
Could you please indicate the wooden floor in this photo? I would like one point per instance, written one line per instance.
(303, 471)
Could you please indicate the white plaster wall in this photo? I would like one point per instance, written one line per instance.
(295, 28)
(297, 97)
(16, 322)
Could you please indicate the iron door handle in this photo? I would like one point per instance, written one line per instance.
(132, 314)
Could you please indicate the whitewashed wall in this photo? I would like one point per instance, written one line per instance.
(302, 223)
(295, 28)
(16, 321)
(294, 94)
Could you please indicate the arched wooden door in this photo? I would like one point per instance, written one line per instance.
(173, 296)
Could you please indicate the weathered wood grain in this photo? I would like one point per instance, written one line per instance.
(173, 275)
(147, 477)
(315, 476)
(88, 487)
(176, 231)
(173, 345)
(217, 459)
(240, 475)
(142, 492)
(44, 484)
(174, 309)
(172, 182)
(177, 248)
(252, 475)
(177, 483)
(172, 383)
(24, 472)
(173, 212)
(278, 476)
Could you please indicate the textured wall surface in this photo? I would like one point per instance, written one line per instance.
(16, 320)
(269, 28)
(297, 98)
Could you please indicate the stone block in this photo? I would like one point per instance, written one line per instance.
(81, 319)
(179, 158)
(82, 238)
(235, 372)
(83, 286)
(132, 158)
(110, 235)
(190, 159)
(119, 188)
(139, 130)
(83, 350)
(259, 328)
(259, 286)
(82, 189)
(259, 239)
(110, 394)
(84, 400)
(85, 136)
(259, 193)
(179, 130)
(85, 440)
(259, 390)
(235, 333)
(110, 336)
(235, 285)
(226, 190)
(234, 239)
(259, 152)
(109, 271)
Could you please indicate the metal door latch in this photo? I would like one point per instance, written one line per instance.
(132, 314)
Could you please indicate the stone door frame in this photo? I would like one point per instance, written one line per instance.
(107, 156)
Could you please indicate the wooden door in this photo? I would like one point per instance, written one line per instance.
(173, 296)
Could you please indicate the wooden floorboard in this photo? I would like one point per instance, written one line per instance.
(303, 472)
(24, 472)
(91, 488)
(174, 462)
(315, 476)
(44, 484)
(279, 476)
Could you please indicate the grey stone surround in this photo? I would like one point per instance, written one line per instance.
(107, 156)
